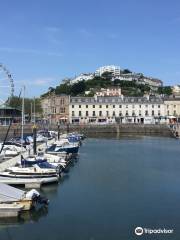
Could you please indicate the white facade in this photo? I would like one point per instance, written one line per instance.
(172, 107)
(81, 77)
(176, 89)
(114, 70)
(152, 82)
(116, 109)
(111, 91)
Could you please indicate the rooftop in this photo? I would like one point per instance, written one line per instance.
(138, 100)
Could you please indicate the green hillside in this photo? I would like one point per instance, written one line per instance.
(129, 88)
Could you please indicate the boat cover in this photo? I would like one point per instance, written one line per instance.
(9, 194)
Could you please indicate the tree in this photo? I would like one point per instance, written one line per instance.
(126, 71)
(107, 75)
(63, 88)
(167, 90)
(78, 88)
(16, 102)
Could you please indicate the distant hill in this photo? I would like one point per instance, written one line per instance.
(129, 88)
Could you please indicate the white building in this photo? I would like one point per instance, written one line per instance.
(81, 77)
(152, 82)
(173, 108)
(110, 91)
(176, 89)
(85, 110)
(114, 70)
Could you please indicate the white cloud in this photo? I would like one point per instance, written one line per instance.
(113, 36)
(85, 32)
(53, 29)
(53, 34)
(40, 81)
(29, 51)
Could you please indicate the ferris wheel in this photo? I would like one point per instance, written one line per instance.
(6, 84)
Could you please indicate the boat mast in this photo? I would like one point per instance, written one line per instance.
(34, 110)
(22, 120)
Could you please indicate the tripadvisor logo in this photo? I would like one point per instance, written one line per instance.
(139, 231)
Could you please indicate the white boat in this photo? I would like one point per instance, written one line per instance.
(8, 210)
(9, 152)
(65, 142)
(27, 181)
(13, 147)
(33, 171)
(39, 138)
(27, 199)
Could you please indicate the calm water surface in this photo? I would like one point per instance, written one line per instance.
(116, 185)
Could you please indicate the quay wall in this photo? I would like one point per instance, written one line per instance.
(123, 129)
(118, 129)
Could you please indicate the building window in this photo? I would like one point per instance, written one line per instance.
(106, 106)
(113, 106)
(158, 106)
(114, 114)
(79, 113)
(152, 112)
(146, 106)
(86, 106)
(94, 114)
(107, 113)
(93, 106)
(120, 113)
(152, 106)
(100, 113)
(100, 106)
(127, 113)
(146, 113)
(139, 106)
(120, 106)
(133, 106)
(133, 113)
(73, 113)
(87, 114)
(174, 106)
(168, 112)
(79, 106)
(126, 106)
(159, 113)
(139, 112)
(174, 112)
(62, 101)
(62, 110)
(72, 106)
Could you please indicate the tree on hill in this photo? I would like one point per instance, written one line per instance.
(107, 75)
(167, 90)
(125, 71)
(63, 89)
(78, 88)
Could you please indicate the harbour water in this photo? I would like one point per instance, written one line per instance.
(115, 186)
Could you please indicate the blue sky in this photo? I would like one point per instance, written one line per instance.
(43, 41)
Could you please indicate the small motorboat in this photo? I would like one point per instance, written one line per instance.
(28, 199)
(8, 210)
(39, 138)
(8, 152)
(62, 146)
